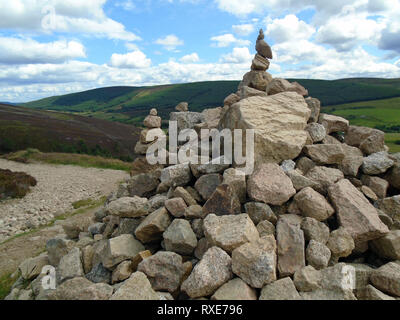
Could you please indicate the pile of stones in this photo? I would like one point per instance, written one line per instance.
(318, 219)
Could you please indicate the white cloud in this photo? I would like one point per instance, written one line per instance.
(289, 28)
(83, 17)
(243, 29)
(25, 51)
(170, 42)
(190, 58)
(237, 56)
(228, 39)
(127, 5)
(135, 60)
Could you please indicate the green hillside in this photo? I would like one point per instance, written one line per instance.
(381, 114)
(131, 104)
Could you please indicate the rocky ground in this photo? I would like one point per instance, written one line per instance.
(58, 187)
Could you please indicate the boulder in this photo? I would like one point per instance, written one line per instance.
(325, 153)
(128, 207)
(142, 184)
(180, 238)
(290, 241)
(246, 92)
(176, 207)
(388, 247)
(355, 213)
(70, 266)
(137, 287)
(207, 184)
(377, 163)
(256, 79)
(224, 201)
(391, 206)
(371, 293)
(180, 192)
(279, 85)
(393, 176)
(81, 289)
(317, 255)
(269, 184)
(278, 121)
(315, 106)
(229, 232)
(152, 122)
(213, 270)
(315, 230)
(57, 248)
(164, 270)
(235, 289)
(333, 123)
(186, 120)
(99, 274)
(122, 272)
(153, 226)
(194, 212)
(313, 205)
(367, 139)
(255, 262)
(259, 212)
(299, 181)
(307, 279)
(237, 180)
(283, 289)
(121, 248)
(32, 267)
(340, 243)
(378, 185)
(231, 99)
(177, 175)
(324, 177)
(387, 279)
(266, 228)
(182, 107)
(317, 132)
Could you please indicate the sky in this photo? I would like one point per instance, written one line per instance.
(54, 47)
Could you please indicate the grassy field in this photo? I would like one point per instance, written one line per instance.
(82, 160)
(381, 114)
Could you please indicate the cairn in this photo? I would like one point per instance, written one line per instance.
(151, 122)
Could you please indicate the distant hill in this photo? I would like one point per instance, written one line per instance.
(131, 104)
(48, 131)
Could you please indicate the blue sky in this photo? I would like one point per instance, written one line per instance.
(53, 47)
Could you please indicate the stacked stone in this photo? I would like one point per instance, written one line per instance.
(318, 219)
(152, 123)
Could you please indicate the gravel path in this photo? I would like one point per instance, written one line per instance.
(58, 187)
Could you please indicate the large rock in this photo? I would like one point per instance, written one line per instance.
(180, 238)
(325, 153)
(99, 274)
(317, 132)
(279, 85)
(377, 185)
(176, 206)
(186, 120)
(177, 175)
(57, 248)
(256, 79)
(355, 213)
(391, 206)
(283, 289)
(270, 184)
(299, 181)
(290, 240)
(180, 192)
(315, 230)
(224, 201)
(259, 212)
(137, 287)
(333, 123)
(324, 177)
(236, 289)
(307, 279)
(81, 289)
(340, 243)
(388, 247)
(393, 176)
(207, 184)
(70, 265)
(255, 262)
(315, 106)
(371, 293)
(121, 248)
(387, 279)
(164, 270)
(237, 180)
(142, 184)
(32, 267)
(153, 226)
(377, 163)
(229, 232)
(278, 121)
(367, 139)
(128, 207)
(317, 255)
(312, 204)
(213, 270)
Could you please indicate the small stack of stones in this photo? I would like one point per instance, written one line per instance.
(152, 123)
(264, 52)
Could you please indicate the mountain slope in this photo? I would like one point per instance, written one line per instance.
(22, 128)
(131, 104)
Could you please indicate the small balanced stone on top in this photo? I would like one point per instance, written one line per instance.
(264, 52)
